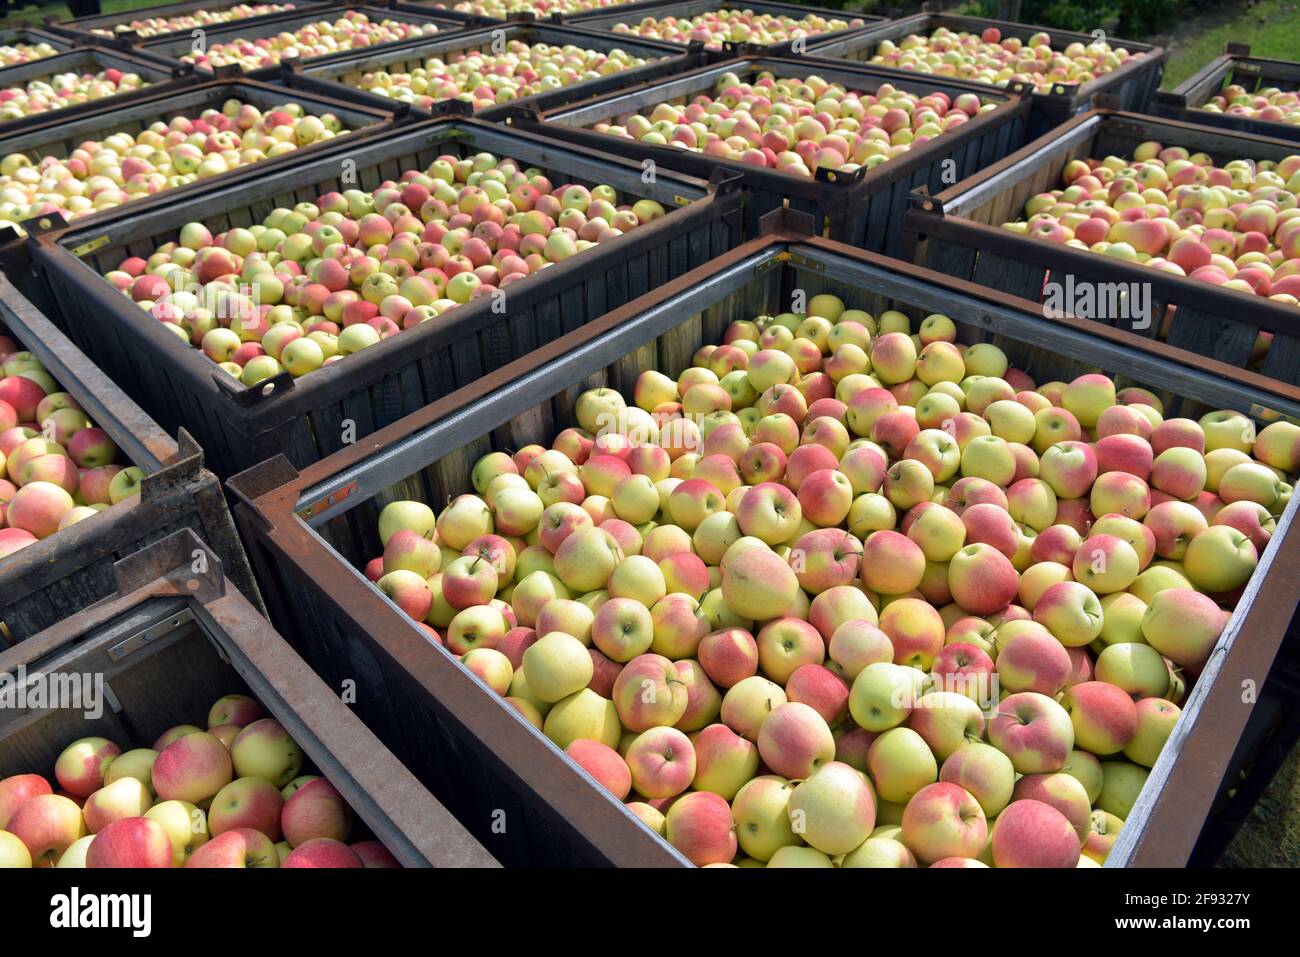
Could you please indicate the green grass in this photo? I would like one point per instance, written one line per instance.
(1271, 28)
(37, 14)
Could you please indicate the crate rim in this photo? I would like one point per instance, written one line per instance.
(52, 247)
(934, 216)
(272, 495)
(165, 574)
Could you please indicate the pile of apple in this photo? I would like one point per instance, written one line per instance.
(1266, 103)
(988, 57)
(487, 79)
(844, 594)
(14, 54)
(1236, 225)
(717, 27)
(798, 125)
(153, 26)
(353, 31)
(501, 9)
(315, 283)
(56, 467)
(102, 174)
(63, 90)
(230, 796)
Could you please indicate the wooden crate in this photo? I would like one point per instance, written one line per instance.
(308, 418)
(958, 232)
(60, 576)
(1133, 85)
(310, 535)
(633, 13)
(86, 59)
(174, 637)
(170, 49)
(190, 96)
(864, 208)
(329, 73)
(114, 25)
(1185, 101)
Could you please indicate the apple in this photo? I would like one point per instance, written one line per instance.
(699, 825)
(246, 802)
(582, 715)
(901, 764)
(1035, 732)
(47, 824)
(314, 810)
(761, 815)
(983, 771)
(16, 790)
(724, 761)
(943, 820)
(242, 847)
(81, 766)
(794, 740)
(186, 827)
(662, 763)
(264, 749)
(834, 809)
(130, 842)
(117, 801)
(1030, 833)
(556, 666)
(1183, 625)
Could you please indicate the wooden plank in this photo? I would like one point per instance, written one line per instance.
(1210, 335)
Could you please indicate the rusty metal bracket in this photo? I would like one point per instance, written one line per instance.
(787, 220)
(921, 200)
(248, 396)
(329, 501)
(181, 558)
(181, 468)
(1105, 101)
(229, 71)
(252, 483)
(41, 225)
(451, 108)
(723, 181)
(1236, 49)
(527, 112)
